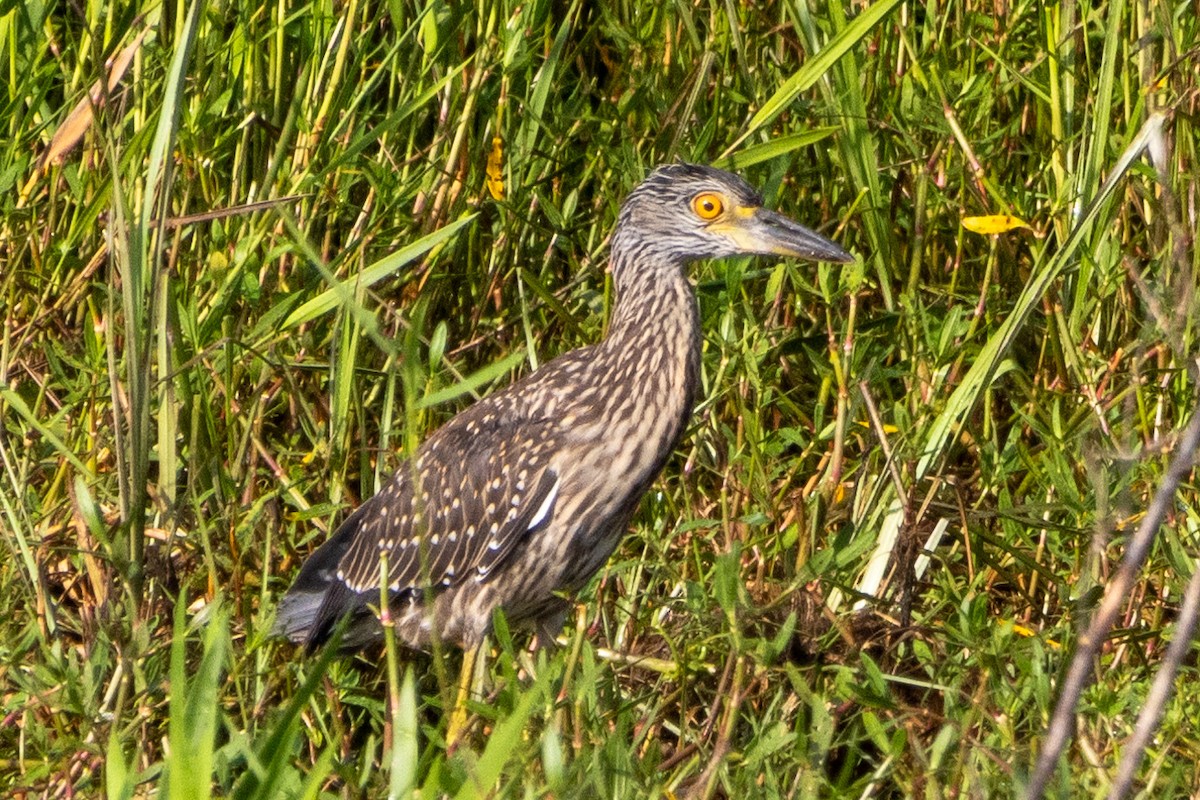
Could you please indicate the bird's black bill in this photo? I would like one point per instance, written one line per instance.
(778, 235)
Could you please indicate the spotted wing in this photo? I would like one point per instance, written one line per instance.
(477, 489)
(457, 512)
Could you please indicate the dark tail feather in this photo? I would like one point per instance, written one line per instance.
(316, 600)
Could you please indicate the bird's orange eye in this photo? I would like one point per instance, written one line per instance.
(708, 205)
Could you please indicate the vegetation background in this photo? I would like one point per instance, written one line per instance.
(250, 252)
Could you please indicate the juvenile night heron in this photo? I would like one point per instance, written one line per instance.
(520, 499)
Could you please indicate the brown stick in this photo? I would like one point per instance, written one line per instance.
(1079, 671)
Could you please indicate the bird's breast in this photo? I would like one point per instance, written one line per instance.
(620, 431)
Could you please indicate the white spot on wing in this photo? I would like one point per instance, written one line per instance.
(543, 511)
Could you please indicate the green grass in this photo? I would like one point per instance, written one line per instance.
(189, 400)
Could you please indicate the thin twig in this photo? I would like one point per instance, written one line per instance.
(1160, 690)
(1079, 671)
(881, 436)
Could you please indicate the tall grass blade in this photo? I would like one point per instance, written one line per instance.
(503, 744)
(473, 381)
(194, 707)
(137, 253)
(1098, 145)
(405, 743)
(276, 750)
(756, 154)
(979, 376)
(812, 71)
(342, 292)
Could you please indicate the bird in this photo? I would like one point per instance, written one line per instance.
(519, 499)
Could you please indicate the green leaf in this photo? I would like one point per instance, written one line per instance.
(774, 148)
(815, 67)
(472, 382)
(343, 291)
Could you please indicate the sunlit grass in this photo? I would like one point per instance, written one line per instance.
(272, 263)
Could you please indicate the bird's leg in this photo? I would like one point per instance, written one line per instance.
(468, 686)
(550, 625)
(546, 631)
